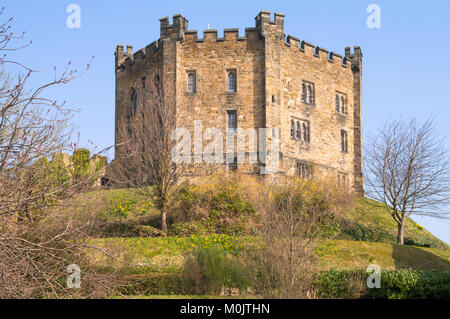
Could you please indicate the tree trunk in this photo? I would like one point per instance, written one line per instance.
(164, 221)
(401, 233)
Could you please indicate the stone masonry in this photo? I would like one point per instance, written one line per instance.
(313, 96)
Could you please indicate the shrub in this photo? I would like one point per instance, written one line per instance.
(395, 284)
(218, 206)
(189, 228)
(374, 233)
(210, 269)
(230, 245)
(360, 232)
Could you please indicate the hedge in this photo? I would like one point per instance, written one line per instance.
(395, 284)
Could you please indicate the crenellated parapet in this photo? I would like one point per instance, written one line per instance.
(177, 28)
(128, 58)
(264, 26)
(122, 56)
(212, 35)
(316, 51)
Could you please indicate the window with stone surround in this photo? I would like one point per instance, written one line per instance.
(304, 170)
(191, 82)
(342, 180)
(300, 130)
(232, 82)
(341, 103)
(344, 141)
(308, 93)
(232, 119)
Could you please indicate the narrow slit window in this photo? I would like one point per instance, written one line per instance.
(304, 132)
(232, 81)
(292, 129)
(344, 141)
(191, 82)
(134, 102)
(232, 119)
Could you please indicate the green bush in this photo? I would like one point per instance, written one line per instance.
(395, 284)
(198, 211)
(188, 229)
(378, 234)
(408, 284)
(211, 269)
(360, 232)
(80, 159)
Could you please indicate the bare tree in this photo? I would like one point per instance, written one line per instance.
(38, 239)
(408, 170)
(144, 160)
(295, 216)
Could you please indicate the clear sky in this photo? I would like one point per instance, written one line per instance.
(406, 61)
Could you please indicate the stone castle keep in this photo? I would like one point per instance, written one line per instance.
(261, 80)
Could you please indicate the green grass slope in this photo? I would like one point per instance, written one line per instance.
(348, 255)
(367, 221)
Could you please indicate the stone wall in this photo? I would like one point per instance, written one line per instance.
(270, 70)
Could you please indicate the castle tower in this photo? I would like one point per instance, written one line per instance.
(307, 97)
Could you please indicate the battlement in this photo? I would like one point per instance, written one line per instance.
(263, 24)
(263, 20)
(316, 51)
(251, 34)
(125, 59)
(177, 28)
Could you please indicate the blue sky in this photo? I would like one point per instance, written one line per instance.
(406, 61)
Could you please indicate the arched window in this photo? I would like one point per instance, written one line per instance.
(292, 129)
(191, 82)
(133, 102)
(297, 131)
(343, 105)
(232, 81)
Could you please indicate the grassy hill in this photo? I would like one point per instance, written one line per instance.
(348, 255)
(367, 220)
(141, 256)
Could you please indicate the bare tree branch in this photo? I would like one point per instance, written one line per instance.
(408, 169)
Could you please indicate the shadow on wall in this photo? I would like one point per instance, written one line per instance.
(406, 257)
